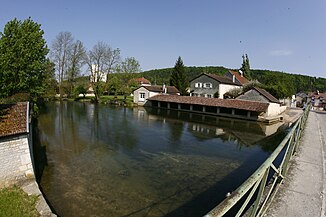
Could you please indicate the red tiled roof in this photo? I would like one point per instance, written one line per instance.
(225, 103)
(159, 89)
(13, 119)
(142, 80)
(266, 94)
(240, 78)
(318, 95)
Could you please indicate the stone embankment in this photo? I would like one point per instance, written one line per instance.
(15, 153)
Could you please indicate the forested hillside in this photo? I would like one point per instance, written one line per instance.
(280, 84)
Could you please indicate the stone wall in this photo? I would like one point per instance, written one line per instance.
(15, 160)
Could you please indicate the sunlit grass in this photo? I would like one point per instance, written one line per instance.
(14, 202)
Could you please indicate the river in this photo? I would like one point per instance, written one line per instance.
(98, 160)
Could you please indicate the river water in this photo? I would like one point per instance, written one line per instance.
(97, 160)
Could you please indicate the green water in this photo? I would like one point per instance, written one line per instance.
(96, 160)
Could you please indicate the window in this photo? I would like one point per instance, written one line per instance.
(208, 85)
(142, 97)
(198, 85)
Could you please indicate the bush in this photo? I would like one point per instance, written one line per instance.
(19, 97)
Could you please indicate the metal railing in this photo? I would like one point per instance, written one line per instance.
(253, 197)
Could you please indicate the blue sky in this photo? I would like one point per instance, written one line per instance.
(278, 35)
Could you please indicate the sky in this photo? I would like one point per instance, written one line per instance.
(282, 35)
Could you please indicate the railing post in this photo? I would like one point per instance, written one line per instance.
(260, 193)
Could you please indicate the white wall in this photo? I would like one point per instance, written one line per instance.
(148, 94)
(274, 109)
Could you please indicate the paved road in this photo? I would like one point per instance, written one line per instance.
(303, 192)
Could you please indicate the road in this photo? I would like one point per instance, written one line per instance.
(303, 192)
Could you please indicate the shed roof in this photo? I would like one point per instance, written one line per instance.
(13, 119)
(225, 103)
(266, 94)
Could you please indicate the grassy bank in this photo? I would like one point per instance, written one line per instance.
(15, 202)
(108, 99)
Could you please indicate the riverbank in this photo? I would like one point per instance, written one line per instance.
(16, 159)
(107, 99)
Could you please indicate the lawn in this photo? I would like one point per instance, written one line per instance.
(14, 202)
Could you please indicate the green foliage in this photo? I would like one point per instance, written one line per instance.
(245, 67)
(285, 84)
(23, 63)
(129, 65)
(233, 93)
(178, 78)
(127, 101)
(252, 84)
(80, 89)
(19, 97)
(122, 83)
(162, 76)
(16, 203)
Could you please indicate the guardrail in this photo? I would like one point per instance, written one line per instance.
(255, 194)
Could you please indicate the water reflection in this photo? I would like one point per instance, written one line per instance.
(112, 161)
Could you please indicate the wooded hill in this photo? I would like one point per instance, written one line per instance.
(280, 84)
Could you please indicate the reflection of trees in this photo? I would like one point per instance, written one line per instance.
(176, 131)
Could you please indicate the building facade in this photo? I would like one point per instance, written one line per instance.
(212, 86)
(142, 93)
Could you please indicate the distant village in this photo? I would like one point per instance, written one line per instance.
(231, 95)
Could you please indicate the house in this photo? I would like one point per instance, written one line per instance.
(318, 100)
(141, 81)
(142, 93)
(300, 99)
(238, 77)
(212, 86)
(260, 95)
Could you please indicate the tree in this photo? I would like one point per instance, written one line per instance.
(178, 77)
(245, 67)
(75, 62)
(129, 65)
(61, 49)
(97, 65)
(23, 63)
(113, 58)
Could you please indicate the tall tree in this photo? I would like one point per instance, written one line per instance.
(23, 63)
(113, 58)
(245, 67)
(178, 77)
(75, 62)
(61, 49)
(97, 65)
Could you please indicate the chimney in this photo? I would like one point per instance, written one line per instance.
(241, 73)
(233, 78)
(164, 89)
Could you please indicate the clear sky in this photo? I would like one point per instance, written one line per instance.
(283, 35)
